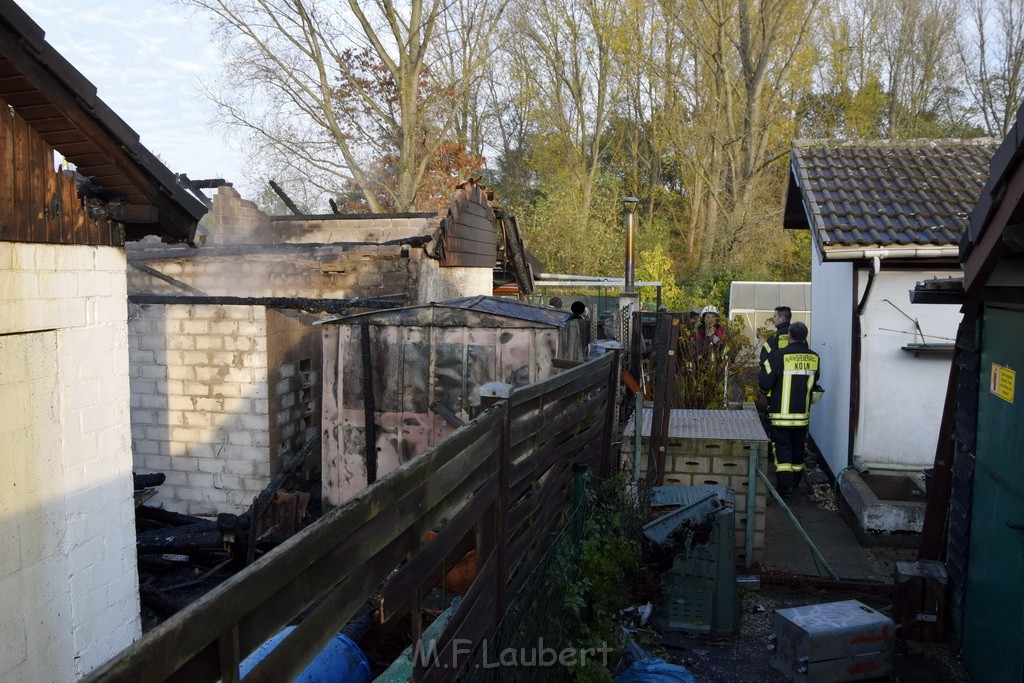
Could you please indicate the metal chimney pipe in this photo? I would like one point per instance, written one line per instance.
(629, 218)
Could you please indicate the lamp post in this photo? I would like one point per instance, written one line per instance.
(629, 219)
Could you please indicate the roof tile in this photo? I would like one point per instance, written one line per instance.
(891, 192)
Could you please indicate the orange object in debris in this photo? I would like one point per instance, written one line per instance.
(460, 577)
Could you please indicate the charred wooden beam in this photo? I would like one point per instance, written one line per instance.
(339, 306)
(167, 517)
(369, 405)
(285, 198)
(166, 278)
(129, 213)
(266, 496)
(159, 602)
(448, 414)
(183, 538)
(144, 481)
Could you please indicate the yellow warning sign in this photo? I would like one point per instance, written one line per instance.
(1003, 380)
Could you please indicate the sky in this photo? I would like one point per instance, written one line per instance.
(146, 58)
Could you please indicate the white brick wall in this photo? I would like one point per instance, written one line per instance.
(199, 409)
(69, 596)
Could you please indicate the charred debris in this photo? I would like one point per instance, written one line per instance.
(180, 556)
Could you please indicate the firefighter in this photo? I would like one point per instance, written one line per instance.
(789, 376)
(781, 319)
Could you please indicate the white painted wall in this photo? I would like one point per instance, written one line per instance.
(831, 302)
(69, 593)
(901, 395)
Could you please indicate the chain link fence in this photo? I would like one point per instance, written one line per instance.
(551, 626)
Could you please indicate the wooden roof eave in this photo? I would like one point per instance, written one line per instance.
(24, 50)
(1005, 221)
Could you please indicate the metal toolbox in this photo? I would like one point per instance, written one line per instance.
(837, 641)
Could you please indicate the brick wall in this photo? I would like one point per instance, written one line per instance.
(216, 432)
(200, 405)
(295, 357)
(68, 579)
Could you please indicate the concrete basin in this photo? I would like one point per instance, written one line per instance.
(884, 509)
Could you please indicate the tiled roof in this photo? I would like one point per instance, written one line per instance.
(886, 193)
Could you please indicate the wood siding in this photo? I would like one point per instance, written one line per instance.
(37, 203)
(470, 235)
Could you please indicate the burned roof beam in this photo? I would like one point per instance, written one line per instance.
(196, 187)
(336, 306)
(284, 198)
(174, 282)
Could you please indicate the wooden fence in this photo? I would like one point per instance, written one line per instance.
(501, 484)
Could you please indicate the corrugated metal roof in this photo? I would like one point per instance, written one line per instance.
(454, 312)
(735, 425)
(512, 308)
(888, 193)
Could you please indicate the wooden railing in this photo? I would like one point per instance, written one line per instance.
(501, 485)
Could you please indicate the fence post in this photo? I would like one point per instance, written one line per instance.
(504, 467)
(579, 495)
(605, 467)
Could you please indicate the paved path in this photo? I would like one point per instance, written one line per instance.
(786, 551)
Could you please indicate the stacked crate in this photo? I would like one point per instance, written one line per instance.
(712, 447)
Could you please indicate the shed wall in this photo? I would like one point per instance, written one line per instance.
(901, 394)
(69, 595)
(412, 367)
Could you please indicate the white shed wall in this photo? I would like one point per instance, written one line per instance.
(901, 395)
(831, 302)
(69, 592)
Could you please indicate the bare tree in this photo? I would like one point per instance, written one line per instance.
(565, 53)
(991, 51)
(336, 94)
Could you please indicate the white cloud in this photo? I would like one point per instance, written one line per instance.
(145, 58)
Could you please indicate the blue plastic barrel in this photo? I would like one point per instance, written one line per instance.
(341, 661)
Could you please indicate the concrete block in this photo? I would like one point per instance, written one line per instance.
(213, 466)
(677, 479)
(209, 342)
(199, 479)
(241, 468)
(226, 391)
(710, 479)
(173, 479)
(195, 327)
(759, 521)
(213, 495)
(241, 439)
(195, 389)
(184, 464)
(690, 464)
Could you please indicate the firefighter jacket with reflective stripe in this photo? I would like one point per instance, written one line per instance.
(788, 375)
(779, 341)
